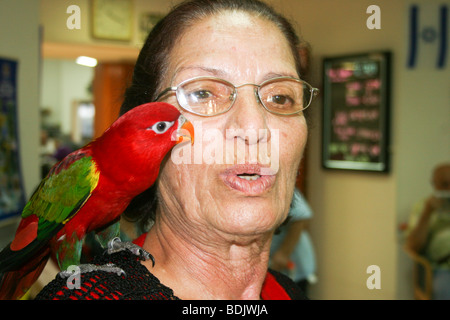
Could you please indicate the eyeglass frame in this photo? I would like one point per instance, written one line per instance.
(314, 92)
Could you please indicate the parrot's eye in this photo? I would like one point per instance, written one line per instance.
(162, 126)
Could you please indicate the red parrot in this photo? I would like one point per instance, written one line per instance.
(88, 191)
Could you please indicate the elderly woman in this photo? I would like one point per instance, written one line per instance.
(232, 68)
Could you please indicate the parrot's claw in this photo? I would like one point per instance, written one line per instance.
(85, 268)
(116, 245)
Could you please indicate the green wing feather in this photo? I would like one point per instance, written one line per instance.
(56, 200)
(60, 195)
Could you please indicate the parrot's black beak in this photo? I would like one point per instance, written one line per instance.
(185, 131)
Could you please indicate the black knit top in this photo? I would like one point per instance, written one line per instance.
(121, 276)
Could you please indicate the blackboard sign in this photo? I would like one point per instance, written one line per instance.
(356, 112)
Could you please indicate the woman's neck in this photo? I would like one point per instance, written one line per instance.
(206, 265)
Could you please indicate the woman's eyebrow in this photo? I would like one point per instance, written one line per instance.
(272, 75)
(212, 71)
(219, 73)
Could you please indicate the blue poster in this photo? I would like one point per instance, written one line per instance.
(12, 197)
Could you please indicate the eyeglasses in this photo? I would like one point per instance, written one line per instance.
(211, 96)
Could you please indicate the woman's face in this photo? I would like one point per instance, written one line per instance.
(225, 186)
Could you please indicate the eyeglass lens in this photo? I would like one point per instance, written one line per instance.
(213, 96)
(206, 96)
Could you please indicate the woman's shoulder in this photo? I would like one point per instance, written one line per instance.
(110, 276)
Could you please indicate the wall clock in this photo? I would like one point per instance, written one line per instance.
(112, 19)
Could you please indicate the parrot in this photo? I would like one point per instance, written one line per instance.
(88, 191)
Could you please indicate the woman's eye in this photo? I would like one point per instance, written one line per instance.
(201, 94)
(281, 100)
(162, 126)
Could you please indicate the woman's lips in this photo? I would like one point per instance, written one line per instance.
(247, 178)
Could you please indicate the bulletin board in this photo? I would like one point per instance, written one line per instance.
(356, 112)
(12, 196)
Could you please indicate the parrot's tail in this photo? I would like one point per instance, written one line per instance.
(14, 284)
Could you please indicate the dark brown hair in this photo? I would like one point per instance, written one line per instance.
(153, 58)
(152, 63)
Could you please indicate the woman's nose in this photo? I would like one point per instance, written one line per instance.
(247, 118)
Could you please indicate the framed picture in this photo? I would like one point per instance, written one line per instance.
(356, 112)
(112, 19)
(146, 23)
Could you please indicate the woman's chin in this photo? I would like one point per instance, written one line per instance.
(249, 221)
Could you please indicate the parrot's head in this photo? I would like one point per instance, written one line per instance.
(156, 126)
(136, 143)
